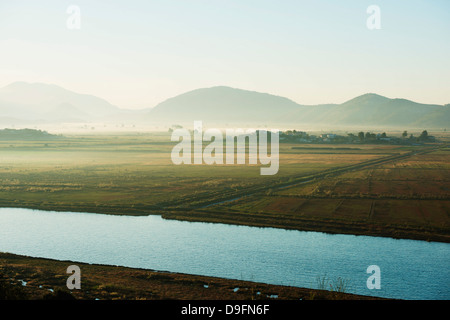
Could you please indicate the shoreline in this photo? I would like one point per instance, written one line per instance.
(310, 225)
(42, 279)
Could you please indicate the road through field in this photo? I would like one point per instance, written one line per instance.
(261, 206)
(297, 180)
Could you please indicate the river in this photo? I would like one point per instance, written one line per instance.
(409, 269)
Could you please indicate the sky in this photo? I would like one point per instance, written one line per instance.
(136, 53)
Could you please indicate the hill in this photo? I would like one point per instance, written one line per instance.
(223, 104)
(27, 104)
(26, 134)
(373, 109)
(50, 103)
(228, 105)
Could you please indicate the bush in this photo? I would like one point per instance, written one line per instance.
(10, 292)
(59, 295)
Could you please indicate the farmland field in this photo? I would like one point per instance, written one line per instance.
(385, 190)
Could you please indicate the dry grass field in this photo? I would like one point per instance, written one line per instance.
(392, 190)
(409, 195)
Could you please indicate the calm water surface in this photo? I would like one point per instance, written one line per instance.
(409, 269)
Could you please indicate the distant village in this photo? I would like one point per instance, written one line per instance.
(294, 136)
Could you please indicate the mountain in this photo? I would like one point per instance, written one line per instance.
(223, 104)
(36, 104)
(373, 109)
(48, 102)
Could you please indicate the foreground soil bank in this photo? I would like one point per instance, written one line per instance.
(29, 278)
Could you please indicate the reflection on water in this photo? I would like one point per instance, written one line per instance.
(409, 269)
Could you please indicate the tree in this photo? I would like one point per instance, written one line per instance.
(424, 135)
(405, 134)
(361, 135)
(383, 135)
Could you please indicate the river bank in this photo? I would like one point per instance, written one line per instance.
(361, 228)
(39, 278)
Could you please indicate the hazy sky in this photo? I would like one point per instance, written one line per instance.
(136, 53)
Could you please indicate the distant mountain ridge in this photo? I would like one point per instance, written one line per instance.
(220, 105)
(375, 110)
(229, 105)
(50, 103)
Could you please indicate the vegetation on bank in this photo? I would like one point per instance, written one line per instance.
(301, 137)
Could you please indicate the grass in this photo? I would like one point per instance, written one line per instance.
(128, 171)
(338, 189)
(339, 285)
